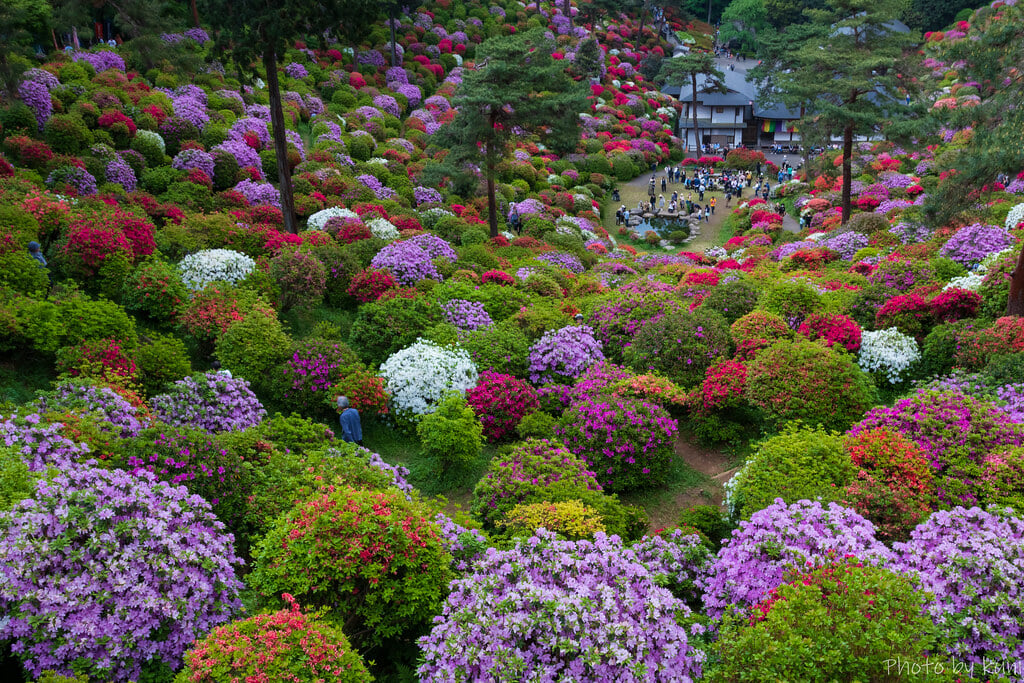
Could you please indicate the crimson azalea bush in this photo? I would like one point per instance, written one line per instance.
(832, 329)
(954, 304)
(627, 442)
(287, 645)
(807, 381)
(364, 390)
(500, 402)
(368, 285)
(128, 572)
(909, 313)
(371, 557)
(558, 610)
(88, 243)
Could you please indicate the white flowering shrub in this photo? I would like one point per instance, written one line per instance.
(1015, 216)
(971, 281)
(155, 137)
(224, 265)
(420, 375)
(319, 219)
(382, 229)
(889, 353)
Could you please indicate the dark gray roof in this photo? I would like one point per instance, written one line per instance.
(777, 111)
(740, 91)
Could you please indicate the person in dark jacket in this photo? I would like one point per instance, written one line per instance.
(351, 427)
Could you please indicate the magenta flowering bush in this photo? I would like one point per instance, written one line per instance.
(955, 431)
(560, 610)
(316, 365)
(501, 402)
(407, 261)
(972, 562)
(210, 401)
(780, 538)
(563, 355)
(627, 442)
(127, 571)
(40, 446)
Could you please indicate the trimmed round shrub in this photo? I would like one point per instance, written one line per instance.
(972, 562)
(301, 277)
(569, 519)
(371, 557)
(800, 463)
(781, 538)
(502, 348)
(286, 645)
(21, 273)
(760, 325)
(681, 346)
(842, 621)
(616, 321)
(419, 376)
(732, 300)
(451, 435)
(807, 381)
(154, 289)
(383, 328)
(161, 359)
(209, 401)
(627, 442)
(501, 402)
(212, 310)
(558, 610)
(128, 572)
(253, 346)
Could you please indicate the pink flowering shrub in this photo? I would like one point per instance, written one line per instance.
(316, 365)
(501, 402)
(629, 443)
(909, 313)
(954, 304)
(832, 329)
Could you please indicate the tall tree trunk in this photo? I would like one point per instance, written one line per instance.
(643, 16)
(693, 107)
(492, 206)
(1015, 302)
(394, 54)
(847, 170)
(195, 12)
(284, 174)
(567, 9)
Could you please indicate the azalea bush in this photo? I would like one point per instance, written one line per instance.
(628, 443)
(100, 553)
(209, 401)
(214, 265)
(501, 402)
(681, 346)
(562, 355)
(372, 557)
(889, 353)
(556, 609)
(832, 329)
(420, 375)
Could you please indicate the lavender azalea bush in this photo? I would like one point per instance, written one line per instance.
(971, 243)
(972, 562)
(783, 537)
(212, 402)
(407, 261)
(563, 355)
(550, 610)
(40, 446)
(113, 412)
(107, 573)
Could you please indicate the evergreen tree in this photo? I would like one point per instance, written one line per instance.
(687, 68)
(850, 74)
(255, 30)
(22, 21)
(515, 89)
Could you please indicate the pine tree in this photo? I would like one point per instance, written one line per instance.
(688, 67)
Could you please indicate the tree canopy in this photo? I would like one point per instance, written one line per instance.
(685, 69)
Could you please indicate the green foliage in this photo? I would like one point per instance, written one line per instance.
(502, 347)
(733, 299)
(791, 299)
(88, 319)
(16, 482)
(681, 345)
(538, 425)
(452, 436)
(802, 380)
(939, 348)
(253, 346)
(22, 273)
(800, 463)
(67, 134)
(161, 359)
(38, 325)
(840, 622)
(383, 327)
(370, 556)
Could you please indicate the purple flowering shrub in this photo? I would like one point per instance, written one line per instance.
(562, 260)
(955, 431)
(316, 365)
(617, 321)
(40, 445)
(780, 538)
(466, 315)
(127, 571)
(683, 557)
(563, 355)
(627, 442)
(972, 562)
(407, 261)
(210, 401)
(560, 610)
(465, 545)
(113, 412)
(971, 243)
(435, 247)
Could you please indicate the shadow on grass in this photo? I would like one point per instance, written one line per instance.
(21, 377)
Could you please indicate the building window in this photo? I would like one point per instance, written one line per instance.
(719, 110)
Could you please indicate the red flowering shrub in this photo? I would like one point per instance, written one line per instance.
(154, 289)
(832, 329)
(89, 242)
(352, 231)
(282, 646)
(700, 278)
(211, 310)
(498, 277)
(364, 390)
(527, 242)
(723, 385)
(114, 120)
(368, 285)
(909, 313)
(501, 402)
(954, 304)
(974, 347)
(810, 259)
(764, 216)
(102, 359)
(137, 230)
